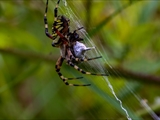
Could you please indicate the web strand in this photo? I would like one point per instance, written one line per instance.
(89, 42)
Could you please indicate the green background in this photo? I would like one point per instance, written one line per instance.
(127, 32)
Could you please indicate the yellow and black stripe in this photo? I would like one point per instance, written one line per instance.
(84, 59)
(82, 71)
(57, 25)
(45, 22)
(57, 67)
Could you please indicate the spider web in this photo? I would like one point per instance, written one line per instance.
(94, 52)
(96, 66)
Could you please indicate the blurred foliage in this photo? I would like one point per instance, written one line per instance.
(125, 31)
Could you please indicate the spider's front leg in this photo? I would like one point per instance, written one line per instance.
(57, 67)
(55, 31)
(56, 11)
(46, 23)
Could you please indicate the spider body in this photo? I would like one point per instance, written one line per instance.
(71, 47)
(61, 24)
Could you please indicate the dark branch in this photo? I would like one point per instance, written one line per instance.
(49, 58)
(27, 55)
(133, 75)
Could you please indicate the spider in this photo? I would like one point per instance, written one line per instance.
(71, 48)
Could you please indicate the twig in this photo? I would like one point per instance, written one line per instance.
(27, 55)
(133, 75)
(49, 58)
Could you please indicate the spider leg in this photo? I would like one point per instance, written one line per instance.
(85, 59)
(57, 24)
(46, 23)
(58, 65)
(56, 11)
(79, 29)
(82, 71)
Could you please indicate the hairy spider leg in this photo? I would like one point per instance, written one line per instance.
(82, 71)
(57, 23)
(84, 59)
(56, 11)
(79, 28)
(57, 26)
(58, 65)
(46, 23)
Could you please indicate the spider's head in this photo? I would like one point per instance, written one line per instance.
(73, 37)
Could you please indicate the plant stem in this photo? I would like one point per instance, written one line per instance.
(49, 58)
